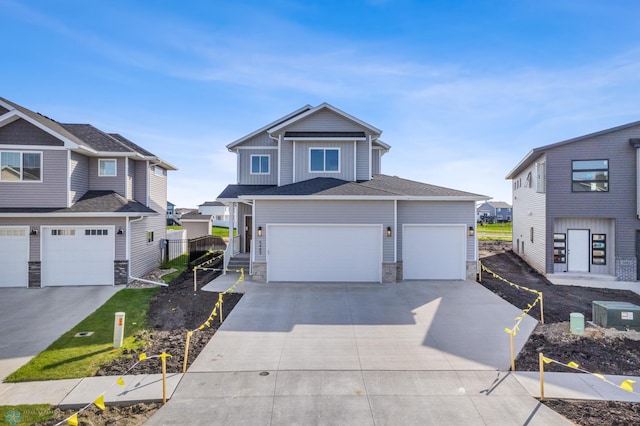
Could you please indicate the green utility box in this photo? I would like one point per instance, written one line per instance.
(618, 315)
(576, 323)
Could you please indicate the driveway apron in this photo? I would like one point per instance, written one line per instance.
(419, 352)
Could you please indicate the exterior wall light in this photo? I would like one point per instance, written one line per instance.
(34, 231)
(472, 231)
(389, 233)
(120, 231)
(259, 231)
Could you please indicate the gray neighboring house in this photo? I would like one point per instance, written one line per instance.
(576, 205)
(313, 206)
(79, 206)
(499, 211)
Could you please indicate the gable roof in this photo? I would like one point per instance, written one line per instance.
(321, 107)
(211, 204)
(537, 152)
(379, 187)
(497, 204)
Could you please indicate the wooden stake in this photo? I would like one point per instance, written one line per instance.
(186, 351)
(220, 302)
(513, 360)
(541, 309)
(541, 376)
(480, 271)
(194, 279)
(164, 377)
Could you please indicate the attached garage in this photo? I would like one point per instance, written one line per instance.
(324, 252)
(434, 252)
(14, 256)
(78, 255)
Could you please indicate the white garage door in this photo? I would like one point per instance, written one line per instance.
(324, 253)
(78, 255)
(434, 252)
(14, 256)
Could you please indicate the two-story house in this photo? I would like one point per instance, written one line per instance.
(78, 206)
(496, 211)
(313, 206)
(576, 205)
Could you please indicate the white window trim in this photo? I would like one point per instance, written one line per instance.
(268, 164)
(108, 159)
(22, 166)
(325, 158)
(155, 171)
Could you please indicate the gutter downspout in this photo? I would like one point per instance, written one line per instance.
(131, 277)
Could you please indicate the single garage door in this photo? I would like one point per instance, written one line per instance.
(324, 253)
(14, 256)
(434, 252)
(78, 255)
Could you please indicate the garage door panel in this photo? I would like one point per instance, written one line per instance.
(78, 256)
(434, 252)
(324, 253)
(14, 256)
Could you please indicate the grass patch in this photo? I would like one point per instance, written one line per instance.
(179, 264)
(25, 414)
(72, 357)
(223, 232)
(174, 228)
(495, 231)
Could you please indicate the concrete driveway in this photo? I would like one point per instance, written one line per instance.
(360, 354)
(32, 319)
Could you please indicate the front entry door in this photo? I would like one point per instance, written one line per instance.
(248, 233)
(578, 250)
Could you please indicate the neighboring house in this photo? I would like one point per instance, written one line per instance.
(196, 224)
(79, 206)
(576, 205)
(218, 210)
(312, 206)
(495, 211)
(173, 218)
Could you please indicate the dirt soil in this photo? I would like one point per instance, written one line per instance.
(130, 415)
(599, 350)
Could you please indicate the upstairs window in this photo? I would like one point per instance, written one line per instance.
(590, 176)
(107, 167)
(324, 160)
(16, 166)
(158, 171)
(541, 178)
(259, 164)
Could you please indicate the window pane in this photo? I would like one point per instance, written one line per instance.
(264, 165)
(31, 166)
(590, 186)
(331, 160)
(255, 164)
(591, 175)
(590, 164)
(107, 167)
(317, 160)
(10, 166)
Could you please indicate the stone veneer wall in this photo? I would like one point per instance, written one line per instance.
(121, 272)
(389, 273)
(259, 272)
(626, 268)
(35, 274)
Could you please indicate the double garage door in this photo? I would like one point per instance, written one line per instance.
(353, 253)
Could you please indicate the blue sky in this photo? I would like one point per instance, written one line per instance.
(461, 89)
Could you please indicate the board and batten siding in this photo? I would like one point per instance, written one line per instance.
(437, 212)
(529, 208)
(146, 256)
(244, 159)
(595, 226)
(130, 178)
(302, 158)
(619, 203)
(21, 132)
(51, 192)
(116, 183)
(376, 161)
(38, 222)
(363, 160)
(324, 212)
(325, 121)
(158, 191)
(79, 176)
(285, 168)
(140, 181)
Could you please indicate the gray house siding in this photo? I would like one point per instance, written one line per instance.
(158, 191)
(261, 139)
(246, 178)
(363, 160)
(130, 178)
(145, 255)
(51, 192)
(376, 160)
(108, 183)
(21, 132)
(79, 176)
(619, 203)
(325, 212)
(286, 163)
(594, 226)
(346, 162)
(437, 212)
(325, 121)
(140, 182)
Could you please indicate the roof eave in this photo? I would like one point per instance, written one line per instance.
(470, 197)
(372, 129)
(80, 214)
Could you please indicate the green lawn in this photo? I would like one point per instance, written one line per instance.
(25, 414)
(72, 357)
(495, 231)
(222, 232)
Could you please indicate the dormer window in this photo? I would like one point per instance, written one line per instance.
(107, 167)
(259, 164)
(324, 159)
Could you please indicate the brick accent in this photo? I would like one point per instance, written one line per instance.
(259, 272)
(35, 274)
(626, 268)
(389, 271)
(121, 272)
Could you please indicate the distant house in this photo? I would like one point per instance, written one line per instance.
(576, 205)
(78, 206)
(218, 210)
(196, 224)
(313, 206)
(495, 211)
(172, 217)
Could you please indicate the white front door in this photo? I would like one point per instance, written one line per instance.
(14, 256)
(578, 250)
(434, 252)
